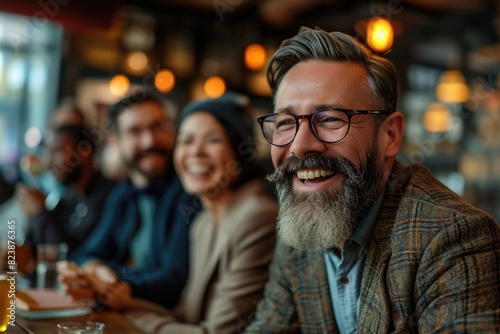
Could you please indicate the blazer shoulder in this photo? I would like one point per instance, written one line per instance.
(426, 212)
(426, 195)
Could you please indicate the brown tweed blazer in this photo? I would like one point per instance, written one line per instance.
(433, 266)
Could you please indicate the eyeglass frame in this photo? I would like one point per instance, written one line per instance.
(348, 112)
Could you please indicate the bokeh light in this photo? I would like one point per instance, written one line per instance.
(437, 118)
(164, 81)
(32, 137)
(119, 84)
(137, 61)
(215, 86)
(255, 57)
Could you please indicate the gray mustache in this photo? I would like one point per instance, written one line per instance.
(293, 164)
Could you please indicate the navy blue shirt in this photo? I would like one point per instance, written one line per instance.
(160, 276)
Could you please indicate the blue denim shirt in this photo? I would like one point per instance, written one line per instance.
(345, 272)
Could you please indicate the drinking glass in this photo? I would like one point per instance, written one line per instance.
(81, 327)
(47, 256)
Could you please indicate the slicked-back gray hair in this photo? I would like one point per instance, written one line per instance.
(317, 44)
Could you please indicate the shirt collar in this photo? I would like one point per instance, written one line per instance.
(156, 188)
(362, 235)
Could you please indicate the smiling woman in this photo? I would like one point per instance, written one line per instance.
(232, 239)
(204, 158)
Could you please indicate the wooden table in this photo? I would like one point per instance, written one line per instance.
(114, 321)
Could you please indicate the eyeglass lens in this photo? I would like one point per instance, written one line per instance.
(328, 125)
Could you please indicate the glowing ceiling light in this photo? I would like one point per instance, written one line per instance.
(379, 34)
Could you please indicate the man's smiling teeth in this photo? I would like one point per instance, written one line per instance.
(309, 174)
(198, 169)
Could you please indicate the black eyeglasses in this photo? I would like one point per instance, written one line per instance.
(329, 126)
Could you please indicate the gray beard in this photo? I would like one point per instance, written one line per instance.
(326, 219)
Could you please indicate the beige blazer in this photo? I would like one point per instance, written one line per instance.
(228, 268)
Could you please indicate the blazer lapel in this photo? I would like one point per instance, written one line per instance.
(224, 232)
(221, 245)
(211, 244)
(210, 248)
(201, 252)
(374, 308)
(314, 306)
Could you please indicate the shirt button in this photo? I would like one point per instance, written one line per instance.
(344, 280)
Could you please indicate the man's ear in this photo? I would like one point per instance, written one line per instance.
(392, 131)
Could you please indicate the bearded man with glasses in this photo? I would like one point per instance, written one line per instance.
(367, 245)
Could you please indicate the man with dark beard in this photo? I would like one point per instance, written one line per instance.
(77, 209)
(366, 244)
(141, 244)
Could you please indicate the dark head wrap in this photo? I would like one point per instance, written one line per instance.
(231, 111)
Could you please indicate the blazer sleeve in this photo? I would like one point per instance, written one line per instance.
(458, 283)
(276, 311)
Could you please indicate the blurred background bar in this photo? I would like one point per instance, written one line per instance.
(447, 53)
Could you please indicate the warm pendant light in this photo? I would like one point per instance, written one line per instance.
(379, 34)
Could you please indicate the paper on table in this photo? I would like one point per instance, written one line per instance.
(47, 303)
